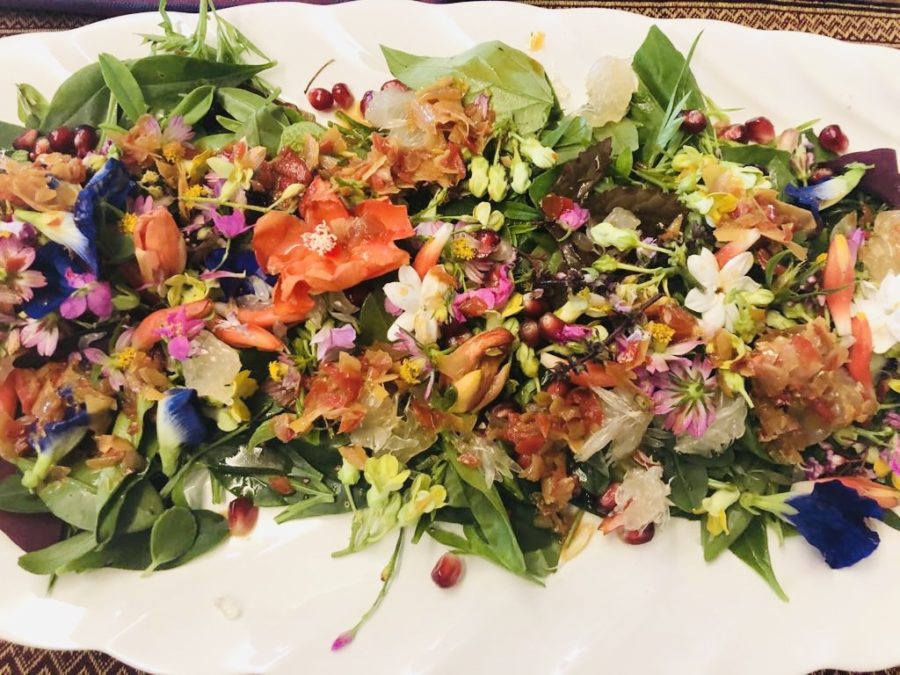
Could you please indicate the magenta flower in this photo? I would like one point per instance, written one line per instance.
(685, 395)
(43, 334)
(16, 280)
(492, 297)
(573, 332)
(892, 419)
(89, 294)
(177, 331)
(231, 225)
(330, 341)
(574, 218)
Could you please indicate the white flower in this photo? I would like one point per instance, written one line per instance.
(423, 302)
(642, 498)
(626, 416)
(881, 305)
(719, 289)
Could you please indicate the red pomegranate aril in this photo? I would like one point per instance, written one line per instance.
(693, 121)
(834, 139)
(320, 99)
(638, 537)
(365, 101)
(242, 515)
(62, 139)
(41, 146)
(342, 95)
(394, 84)
(534, 307)
(85, 139)
(551, 325)
(734, 132)
(760, 130)
(530, 333)
(26, 140)
(823, 173)
(447, 570)
(607, 501)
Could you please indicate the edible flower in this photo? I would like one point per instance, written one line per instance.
(111, 184)
(330, 341)
(17, 281)
(881, 305)
(159, 247)
(42, 334)
(60, 227)
(685, 395)
(178, 426)
(230, 225)
(422, 302)
(476, 302)
(715, 507)
(829, 192)
(88, 294)
(478, 178)
(177, 330)
(423, 498)
(838, 280)
(475, 371)
(384, 476)
(151, 329)
(54, 440)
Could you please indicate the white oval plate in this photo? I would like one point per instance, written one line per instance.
(615, 609)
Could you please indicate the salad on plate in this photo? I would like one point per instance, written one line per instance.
(446, 306)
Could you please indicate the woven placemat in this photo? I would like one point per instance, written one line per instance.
(870, 22)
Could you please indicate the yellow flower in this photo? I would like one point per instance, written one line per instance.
(149, 177)
(173, 152)
(277, 370)
(128, 223)
(411, 370)
(123, 359)
(715, 506)
(243, 386)
(384, 475)
(661, 335)
(536, 41)
(461, 248)
(424, 498)
(189, 196)
(185, 288)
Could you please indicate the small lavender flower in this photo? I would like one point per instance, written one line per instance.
(330, 341)
(685, 395)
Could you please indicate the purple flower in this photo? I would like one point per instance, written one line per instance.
(894, 456)
(573, 218)
(231, 225)
(892, 419)
(492, 297)
(177, 131)
(178, 331)
(685, 396)
(343, 640)
(659, 362)
(142, 205)
(330, 341)
(89, 294)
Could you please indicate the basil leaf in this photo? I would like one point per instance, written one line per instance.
(654, 208)
(14, 498)
(579, 177)
(31, 105)
(194, 105)
(520, 211)
(172, 536)
(519, 89)
(124, 86)
(753, 548)
(49, 560)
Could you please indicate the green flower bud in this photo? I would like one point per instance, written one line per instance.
(528, 361)
(778, 320)
(605, 264)
(478, 181)
(521, 176)
(605, 234)
(482, 213)
(497, 182)
(348, 474)
(539, 155)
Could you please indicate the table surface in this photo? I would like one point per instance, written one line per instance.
(875, 22)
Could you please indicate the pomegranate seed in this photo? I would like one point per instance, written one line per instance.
(551, 325)
(760, 130)
(523, 460)
(62, 139)
(734, 132)
(820, 174)
(41, 146)
(834, 139)
(342, 95)
(365, 101)
(607, 501)
(25, 140)
(558, 389)
(394, 84)
(281, 485)
(320, 99)
(534, 307)
(447, 570)
(85, 139)
(530, 333)
(637, 537)
(693, 121)
(242, 515)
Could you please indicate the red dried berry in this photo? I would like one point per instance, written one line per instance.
(534, 307)
(342, 95)
(834, 139)
(551, 325)
(693, 121)
(447, 570)
(320, 99)
(760, 130)
(821, 174)
(41, 147)
(242, 515)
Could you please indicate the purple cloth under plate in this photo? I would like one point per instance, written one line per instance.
(116, 7)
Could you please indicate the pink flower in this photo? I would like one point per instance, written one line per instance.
(572, 332)
(16, 280)
(658, 362)
(231, 225)
(177, 331)
(112, 365)
(89, 294)
(177, 131)
(42, 334)
(142, 205)
(573, 218)
(492, 297)
(685, 396)
(330, 341)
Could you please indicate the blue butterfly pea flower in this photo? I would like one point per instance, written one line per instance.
(827, 193)
(833, 519)
(178, 425)
(111, 184)
(54, 440)
(238, 262)
(60, 227)
(53, 261)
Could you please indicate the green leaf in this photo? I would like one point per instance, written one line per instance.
(114, 245)
(593, 475)
(753, 548)
(519, 89)
(570, 136)
(9, 133)
(374, 320)
(49, 560)
(212, 530)
(689, 484)
(194, 105)
(124, 87)
(520, 211)
(542, 184)
(891, 519)
(32, 106)
(14, 498)
(72, 501)
(133, 505)
(172, 536)
(738, 519)
(82, 99)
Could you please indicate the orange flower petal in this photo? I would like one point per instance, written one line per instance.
(838, 278)
(248, 337)
(860, 365)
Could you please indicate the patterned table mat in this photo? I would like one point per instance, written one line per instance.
(871, 22)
